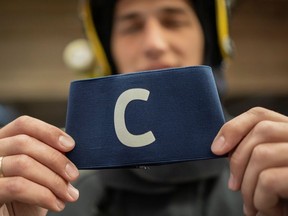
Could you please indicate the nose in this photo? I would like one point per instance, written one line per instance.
(154, 39)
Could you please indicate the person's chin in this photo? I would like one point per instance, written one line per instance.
(158, 67)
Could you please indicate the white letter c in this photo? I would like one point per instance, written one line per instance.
(122, 133)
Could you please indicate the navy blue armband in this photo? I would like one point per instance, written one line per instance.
(144, 118)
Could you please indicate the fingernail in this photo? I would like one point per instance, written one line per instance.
(66, 141)
(232, 183)
(73, 192)
(71, 170)
(218, 145)
(244, 210)
(60, 205)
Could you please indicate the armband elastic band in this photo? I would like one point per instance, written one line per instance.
(144, 118)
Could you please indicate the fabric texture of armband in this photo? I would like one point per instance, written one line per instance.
(144, 118)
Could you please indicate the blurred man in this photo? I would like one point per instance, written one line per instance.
(145, 35)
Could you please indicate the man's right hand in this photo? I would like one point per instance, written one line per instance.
(36, 173)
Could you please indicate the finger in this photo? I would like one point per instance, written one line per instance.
(40, 130)
(28, 168)
(23, 190)
(277, 210)
(264, 157)
(271, 191)
(46, 155)
(236, 129)
(263, 132)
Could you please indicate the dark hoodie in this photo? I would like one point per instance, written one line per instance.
(186, 189)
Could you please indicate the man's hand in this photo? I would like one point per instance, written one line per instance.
(258, 144)
(36, 173)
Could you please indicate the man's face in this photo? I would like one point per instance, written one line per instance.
(154, 34)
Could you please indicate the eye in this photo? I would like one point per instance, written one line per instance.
(130, 26)
(174, 22)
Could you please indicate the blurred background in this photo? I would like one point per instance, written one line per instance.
(34, 79)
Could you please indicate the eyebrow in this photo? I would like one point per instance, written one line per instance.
(173, 10)
(166, 10)
(126, 17)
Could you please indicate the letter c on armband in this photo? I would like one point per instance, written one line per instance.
(124, 136)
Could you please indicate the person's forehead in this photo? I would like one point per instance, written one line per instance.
(126, 6)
